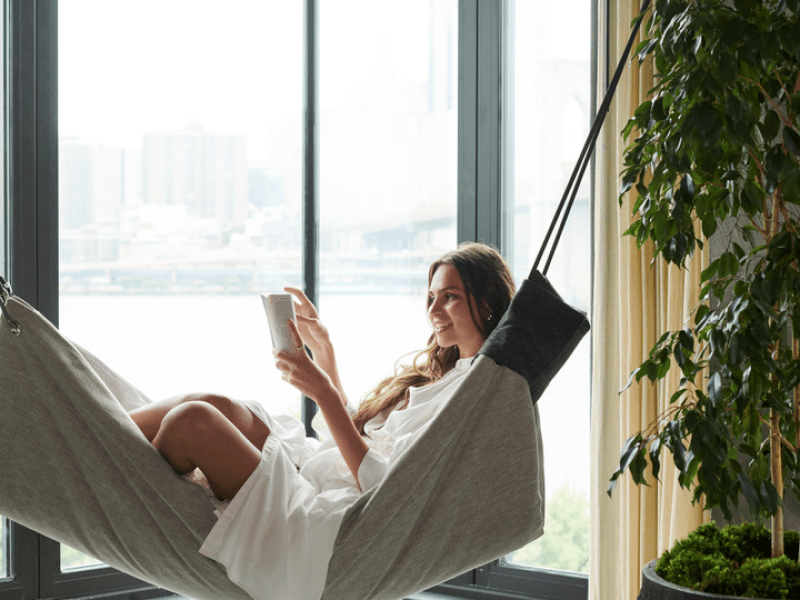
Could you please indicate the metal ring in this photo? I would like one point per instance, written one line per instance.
(16, 328)
(5, 294)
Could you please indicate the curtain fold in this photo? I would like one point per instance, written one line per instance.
(633, 303)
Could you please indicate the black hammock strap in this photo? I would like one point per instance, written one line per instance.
(574, 182)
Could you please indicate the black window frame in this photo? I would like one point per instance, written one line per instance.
(31, 194)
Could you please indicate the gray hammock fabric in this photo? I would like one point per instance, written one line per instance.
(75, 467)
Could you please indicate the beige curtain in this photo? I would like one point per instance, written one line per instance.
(634, 303)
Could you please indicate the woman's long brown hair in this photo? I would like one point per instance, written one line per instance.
(488, 282)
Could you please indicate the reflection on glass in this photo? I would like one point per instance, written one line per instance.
(180, 181)
(4, 570)
(550, 87)
(388, 150)
(72, 560)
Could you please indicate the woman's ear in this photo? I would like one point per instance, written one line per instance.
(486, 311)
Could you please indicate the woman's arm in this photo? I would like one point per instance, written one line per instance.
(315, 335)
(299, 370)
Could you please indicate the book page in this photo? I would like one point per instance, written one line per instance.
(279, 308)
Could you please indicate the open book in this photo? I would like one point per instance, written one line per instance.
(279, 308)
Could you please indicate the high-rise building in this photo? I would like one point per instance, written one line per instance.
(90, 184)
(205, 172)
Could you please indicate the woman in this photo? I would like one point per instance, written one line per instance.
(280, 483)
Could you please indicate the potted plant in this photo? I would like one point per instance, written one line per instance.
(719, 142)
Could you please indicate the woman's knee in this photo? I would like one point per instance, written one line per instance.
(255, 430)
(189, 422)
(222, 403)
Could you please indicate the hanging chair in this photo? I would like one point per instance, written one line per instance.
(74, 467)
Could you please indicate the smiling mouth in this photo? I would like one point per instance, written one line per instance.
(439, 327)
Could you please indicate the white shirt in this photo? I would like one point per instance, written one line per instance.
(276, 536)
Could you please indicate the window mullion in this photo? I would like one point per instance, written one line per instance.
(311, 221)
(480, 152)
(488, 124)
(24, 564)
(33, 153)
(467, 120)
(32, 193)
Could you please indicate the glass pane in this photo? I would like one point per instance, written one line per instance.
(388, 149)
(550, 88)
(180, 149)
(4, 569)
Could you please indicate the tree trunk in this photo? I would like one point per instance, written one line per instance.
(796, 355)
(776, 468)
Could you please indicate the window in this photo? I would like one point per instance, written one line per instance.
(550, 90)
(388, 148)
(4, 570)
(181, 188)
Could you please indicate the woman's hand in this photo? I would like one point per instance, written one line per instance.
(304, 374)
(315, 335)
(298, 369)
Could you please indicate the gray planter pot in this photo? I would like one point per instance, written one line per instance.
(656, 588)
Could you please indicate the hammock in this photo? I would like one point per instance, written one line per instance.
(470, 489)
(76, 468)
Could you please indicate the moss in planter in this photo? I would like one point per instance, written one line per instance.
(734, 561)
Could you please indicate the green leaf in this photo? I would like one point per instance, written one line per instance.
(709, 225)
(750, 234)
(642, 114)
(686, 339)
(770, 126)
(631, 177)
(749, 492)
(752, 195)
(704, 117)
(655, 460)
(718, 339)
(638, 466)
(752, 385)
(715, 388)
(745, 7)
(792, 140)
(652, 371)
(629, 451)
(770, 497)
(790, 183)
(765, 308)
(735, 350)
(687, 187)
(702, 311)
(657, 111)
(679, 455)
(630, 382)
(733, 106)
(663, 367)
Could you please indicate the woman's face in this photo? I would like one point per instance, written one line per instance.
(450, 315)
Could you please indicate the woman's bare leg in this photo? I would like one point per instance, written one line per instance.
(195, 434)
(149, 418)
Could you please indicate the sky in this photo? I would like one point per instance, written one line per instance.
(155, 65)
